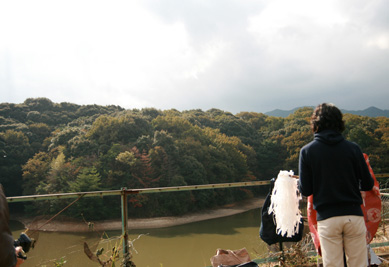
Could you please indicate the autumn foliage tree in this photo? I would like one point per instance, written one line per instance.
(47, 147)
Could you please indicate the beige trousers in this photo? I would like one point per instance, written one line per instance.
(348, 232)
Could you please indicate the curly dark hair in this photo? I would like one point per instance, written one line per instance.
(327, 116)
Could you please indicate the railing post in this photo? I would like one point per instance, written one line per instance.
(124, 225)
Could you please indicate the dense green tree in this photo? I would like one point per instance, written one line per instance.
(39, 104)
(163, 166)
(114, 173)
(39, 132)
(88, 179)
(68, 147)
(150, 113)
(174, 125)
(15, 151)
(61, 137)
(123, 129)
(80, 146)
(34, 116)
(271, 157)
(142, 171)
(193, 171)
(199, 118)
(34, 171)
(60, 174)
(256, 120)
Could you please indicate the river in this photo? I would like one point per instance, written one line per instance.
(189, 245)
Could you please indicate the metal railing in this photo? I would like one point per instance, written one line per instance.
(133, 191)
(124, 192)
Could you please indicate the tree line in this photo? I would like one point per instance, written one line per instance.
(47, 147)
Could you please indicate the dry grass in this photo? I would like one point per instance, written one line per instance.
(381, 237)
(300, 254)
(294, 254)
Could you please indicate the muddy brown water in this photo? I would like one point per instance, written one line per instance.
(189, 245)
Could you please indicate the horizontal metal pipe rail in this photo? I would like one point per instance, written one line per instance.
(134, 191)
(381, 175)
(144, 190)
(124, 192)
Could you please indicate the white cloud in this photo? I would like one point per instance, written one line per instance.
(228, 54)
(381, 41)
(318, 38)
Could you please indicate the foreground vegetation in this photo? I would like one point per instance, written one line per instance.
(47, 147)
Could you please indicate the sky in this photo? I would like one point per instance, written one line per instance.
(233, 55)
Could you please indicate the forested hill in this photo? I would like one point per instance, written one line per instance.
(370, 112)
(48, 147)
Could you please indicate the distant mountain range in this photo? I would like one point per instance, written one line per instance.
(370, 112)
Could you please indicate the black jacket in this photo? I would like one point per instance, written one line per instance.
(334, 171)
(7, 249)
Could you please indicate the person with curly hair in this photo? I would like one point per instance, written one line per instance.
(334, 171)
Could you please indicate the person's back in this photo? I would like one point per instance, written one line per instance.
(334, 171)
(337, 167)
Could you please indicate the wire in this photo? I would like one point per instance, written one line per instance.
(52, 218)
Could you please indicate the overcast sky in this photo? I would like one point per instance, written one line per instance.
(234, 55)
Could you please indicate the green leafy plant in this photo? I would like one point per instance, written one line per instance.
(61, 262)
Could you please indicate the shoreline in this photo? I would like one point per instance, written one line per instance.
(58, 225)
